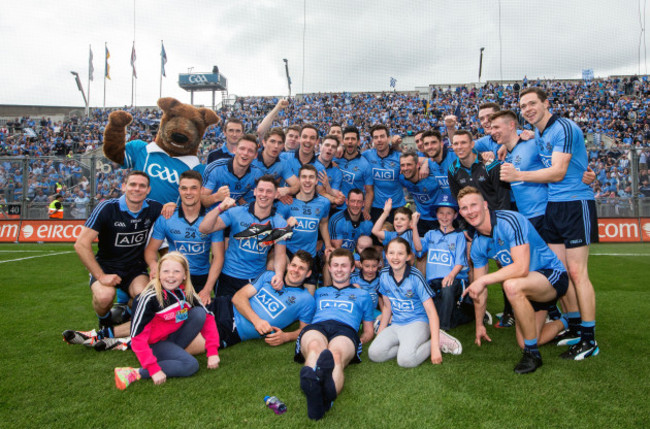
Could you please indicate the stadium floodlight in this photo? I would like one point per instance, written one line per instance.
(81, 89)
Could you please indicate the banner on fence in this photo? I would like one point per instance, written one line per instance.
(622, 230)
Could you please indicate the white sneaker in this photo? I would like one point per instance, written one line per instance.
(449, 344)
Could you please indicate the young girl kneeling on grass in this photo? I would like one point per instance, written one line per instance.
(414, 333)
(168, 316)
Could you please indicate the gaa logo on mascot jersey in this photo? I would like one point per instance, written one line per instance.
(439, 257)
(272, 305)
(163, 173)
(331, 303)
(504, 257)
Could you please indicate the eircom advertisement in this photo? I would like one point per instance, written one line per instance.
(46, 231)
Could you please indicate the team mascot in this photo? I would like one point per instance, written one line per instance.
(173, 151)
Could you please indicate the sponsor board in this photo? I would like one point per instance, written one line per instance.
(621, 230)
(50, 231)
(9, 231)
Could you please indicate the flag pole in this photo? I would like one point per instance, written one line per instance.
(105, 70)
(90, 64)
(162, 65)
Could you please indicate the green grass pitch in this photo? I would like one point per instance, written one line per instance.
(47, 383)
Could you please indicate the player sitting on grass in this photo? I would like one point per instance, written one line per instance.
(257, 310)
(533, 277)
(168, 316)
(414, 333)
(331, 342)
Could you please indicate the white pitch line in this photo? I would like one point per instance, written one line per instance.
(619, 254)
(38, 256)
(27, 251)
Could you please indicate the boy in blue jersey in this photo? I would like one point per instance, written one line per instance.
(308, 214)
(355, 169)
(245, 258)
(181, 231)
(405, 224)
(345, 227)
(331, 342)
(424, 191)
(268, 161)
(446, 264)
(121, 227)
(232, 177)
(306, 153)
(367, 278)
(570, 222)
(384, 162)
(532, 276)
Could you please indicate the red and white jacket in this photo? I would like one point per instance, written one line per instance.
(152, 323)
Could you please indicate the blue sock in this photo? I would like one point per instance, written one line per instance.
(122, 297)
(531, 346)
(587, 332)
(105, 319)
(565, 321)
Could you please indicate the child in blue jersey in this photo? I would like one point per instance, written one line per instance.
(446, 264)
(405, 223)
(367, 278)
(414, 333)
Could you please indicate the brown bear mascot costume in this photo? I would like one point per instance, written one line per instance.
(173, 151)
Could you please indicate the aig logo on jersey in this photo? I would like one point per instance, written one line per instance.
(341, 305)
(403, 305)
(383, 175)
(348, 177)
(271, 304)
(130, 239)
(163, 173)
(190, 248)
(504, 257)
(250, 245)
(306, 224)
(439, 257)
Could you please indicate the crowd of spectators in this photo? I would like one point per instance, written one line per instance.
(613, 109)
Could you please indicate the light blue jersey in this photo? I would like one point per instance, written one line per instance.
(530, 197)
(565, 136)
(406, 296)
(278, 169)
(406, 235)
(308, 214)
(439, 171)
(341, 227)
(245, 259)
(220, 173)
(333, 174)
(444, 251)
(425, 193)
(349, 305)
(164, 171)
(486, 144)
(185, 237)
(385, 175)
(356, 173)
(278, 307)
(292, 162)
(369, 286)
(511, 229)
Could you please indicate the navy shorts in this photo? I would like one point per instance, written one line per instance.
(126, 276)
(198, 281)
(221, 307)
(331, 329)
(538, 224)
(228, 286)
(572, 223)
(560, 282)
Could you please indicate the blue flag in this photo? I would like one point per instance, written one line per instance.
(163, 59)
(393, 81)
